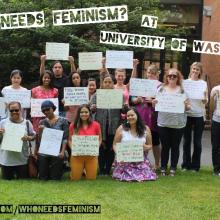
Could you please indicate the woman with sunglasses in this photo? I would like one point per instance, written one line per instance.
(44, 91)
(84, 125)
(195, 123)
(51, 167)
(14, 164)
(171, 125)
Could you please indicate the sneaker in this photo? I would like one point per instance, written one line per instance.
(184, 169)
(172, 172)
(216, 174)
(194, 171)
(163, 172)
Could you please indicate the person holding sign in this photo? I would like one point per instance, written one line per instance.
(109, 119)
(215, 128)
(43, 91)
(195, 121)
(120, 76)
(60, 79)
(134, 130)
(84, 126)
(148, 114)
(14, 159)
(16, 78)
(71, 111)
(92, 87)
(171, 125)
(51, 167)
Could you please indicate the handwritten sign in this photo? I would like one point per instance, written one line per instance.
(57, 51)
(143, 87)
(76, 96)
(22, 96)
(85, 145)
(119, 59)
(129, 152)
(109, 98)
(12, 137)
(51, 142)
(90, 61)
(173, 103)
(195, 89)
(3, 108)
(36, 107)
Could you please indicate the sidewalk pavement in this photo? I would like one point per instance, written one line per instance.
(206, 150)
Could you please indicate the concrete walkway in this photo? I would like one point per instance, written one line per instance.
(206, 150)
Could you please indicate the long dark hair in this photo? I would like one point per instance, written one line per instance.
(140, 126)
(51, 78)
(70, 81)
(78, 121)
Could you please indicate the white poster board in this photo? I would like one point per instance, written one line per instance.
(109, 98)
(57, 51)
(195, 89)
(129, 152)
(22, 96)
(90, 61)
(85, 145)
(36, 107)
(143, 87)
(3, 108)
(51, 142)
(12, 137)
(119, 59)
(76, 96)
(173, 103)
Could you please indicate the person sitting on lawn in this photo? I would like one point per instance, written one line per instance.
(134, 130)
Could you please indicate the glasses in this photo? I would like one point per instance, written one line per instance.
(45, 110)
(14, 110)
(172, 76)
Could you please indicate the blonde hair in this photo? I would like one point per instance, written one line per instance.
(153, 69)
(179, 77)
(199, 65)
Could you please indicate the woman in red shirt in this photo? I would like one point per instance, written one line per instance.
(84, 125)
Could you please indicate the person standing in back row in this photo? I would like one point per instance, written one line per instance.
(60, 79)
(195, 122)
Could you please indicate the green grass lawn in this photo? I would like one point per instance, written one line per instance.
(186, 196)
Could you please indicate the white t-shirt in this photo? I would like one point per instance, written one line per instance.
(197, 107)
(216, 113)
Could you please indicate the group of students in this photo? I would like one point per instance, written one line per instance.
(136, 121)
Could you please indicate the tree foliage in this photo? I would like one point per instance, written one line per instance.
(21, 48)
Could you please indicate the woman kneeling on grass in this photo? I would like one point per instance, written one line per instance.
(84, 125)
(51, 167)
(134, 130)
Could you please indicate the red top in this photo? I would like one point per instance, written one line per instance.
(92, 129)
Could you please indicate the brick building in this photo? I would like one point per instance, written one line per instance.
(211, 32)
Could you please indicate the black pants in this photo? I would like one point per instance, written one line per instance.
(170, 139)
(196, 124)
(215, 139)
(14, 172)
(106, 156)
(50, 167)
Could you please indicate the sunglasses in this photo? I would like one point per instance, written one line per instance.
(45, 109)
(172, 76)
(14, 110)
